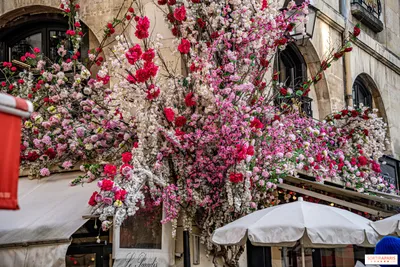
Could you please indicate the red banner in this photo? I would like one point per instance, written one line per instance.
(10, 141)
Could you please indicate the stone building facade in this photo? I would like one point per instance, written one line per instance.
(369, 75)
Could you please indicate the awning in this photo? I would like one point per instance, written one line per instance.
(355, 198)
(50, 212)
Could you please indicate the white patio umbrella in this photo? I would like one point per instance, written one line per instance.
(388, 226)
(314, 225)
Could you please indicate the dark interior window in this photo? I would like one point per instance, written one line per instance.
(45, 31)
(361, 94)
(293, 72)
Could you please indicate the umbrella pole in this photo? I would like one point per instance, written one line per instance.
(303, 257)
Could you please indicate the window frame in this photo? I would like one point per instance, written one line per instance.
(358, 89)
(165, 256)
(28, 25)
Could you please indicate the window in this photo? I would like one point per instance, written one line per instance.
(45, 31)
(314, 257)
(143, 230)
(368, 12)
(293, 73)
(361, 94)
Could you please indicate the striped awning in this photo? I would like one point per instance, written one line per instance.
(15, 105)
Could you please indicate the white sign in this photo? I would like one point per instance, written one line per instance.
(381, 259)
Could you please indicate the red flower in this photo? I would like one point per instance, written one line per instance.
(175, 31)
(353, 161)
(169, 114)
(153, 92)
(189, 101)
(110, 170)
(250, 150)
(126, 157)
(133, 54)
(338, 55)
(107, 185)
(319, 158)
(345, 112)
(13, 69)
(92, 200)
(283, 91)
(256, 123)
(36, 50)
(376, 167)
(180, 13)
(50, 153)
(275, 76)
(32, 156)
(362, 160)
(354, 113)
(128, 17)
(4, 84)
(131, 79)
(162, 2)
(196, 1)
(142, 28)
(148, 55)
(178, 132)
(171, 2)
(120, 194)
(180, 121)
(184, 46)
(201, 23)
(264, 62)
(366, 132)
(356, 31)
(131, 10)
(337, 116)
(235, 177)
(348, 49)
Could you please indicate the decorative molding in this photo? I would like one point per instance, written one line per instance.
(387, 62)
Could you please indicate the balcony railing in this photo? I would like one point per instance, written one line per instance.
(368, 12)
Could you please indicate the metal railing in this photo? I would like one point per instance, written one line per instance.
(371, 6)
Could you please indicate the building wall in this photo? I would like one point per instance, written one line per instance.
(375, 55)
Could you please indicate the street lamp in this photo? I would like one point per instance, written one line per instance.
(304, 30)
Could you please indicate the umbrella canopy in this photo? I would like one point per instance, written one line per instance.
(316, 225)
(388, 226)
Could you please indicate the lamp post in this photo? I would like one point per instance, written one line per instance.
(304, 30)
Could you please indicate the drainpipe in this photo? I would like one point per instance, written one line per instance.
(347, 80)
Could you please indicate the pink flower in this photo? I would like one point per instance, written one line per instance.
(67, 164)
(44, 172)
(169, 114)
(184, 46)
(36, 50)
(180, 13)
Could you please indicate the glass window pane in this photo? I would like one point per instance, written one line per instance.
(26, 45)
(143, 230)
(56, 38)
(82, 260)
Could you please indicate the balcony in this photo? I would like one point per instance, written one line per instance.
(368, 12)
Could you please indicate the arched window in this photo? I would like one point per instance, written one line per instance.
(291, 66)
(292, 70)
(361, 94)
(45, 31)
